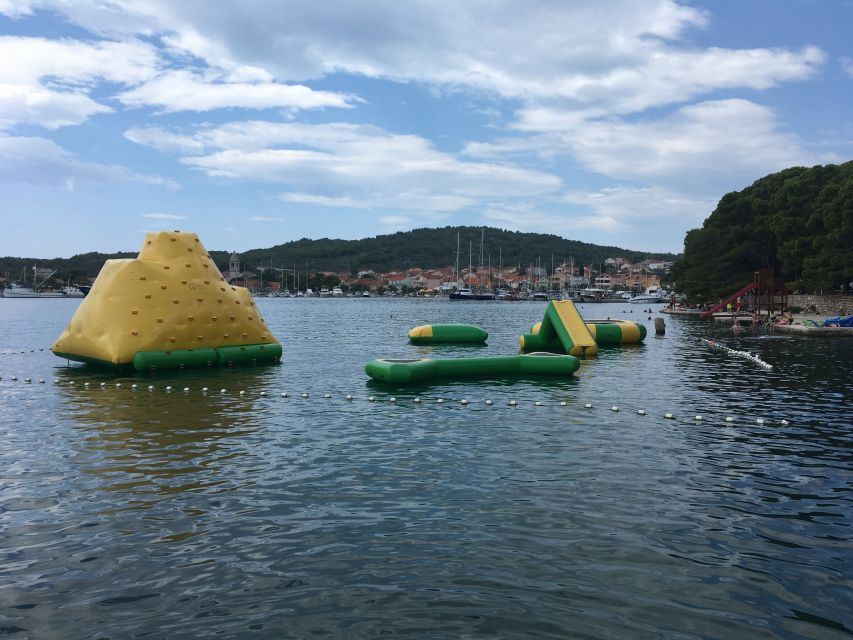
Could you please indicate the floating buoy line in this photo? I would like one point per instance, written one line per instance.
(242, 394)
(735, 352)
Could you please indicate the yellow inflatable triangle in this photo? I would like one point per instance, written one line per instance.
(170, 298)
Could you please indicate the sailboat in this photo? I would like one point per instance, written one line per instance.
(463, 293)
(22, 290)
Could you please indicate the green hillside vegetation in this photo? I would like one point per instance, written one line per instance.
(425, 248)
(799, 222)
(433, 248)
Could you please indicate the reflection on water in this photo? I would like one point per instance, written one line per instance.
(128, 512)
(145, 445)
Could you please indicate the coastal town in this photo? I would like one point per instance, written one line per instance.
(613, 275)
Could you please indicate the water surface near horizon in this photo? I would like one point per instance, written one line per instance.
(133, 513)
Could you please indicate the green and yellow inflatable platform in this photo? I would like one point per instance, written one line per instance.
(169, 308)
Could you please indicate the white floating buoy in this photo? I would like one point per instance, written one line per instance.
(27, 379)
(538, 403)
(134, 386)
(392, 399)
(489, 402)
(512, 403)
(168, 387)
(327, 395)
(417, 400)
(285, 394)
(151, 387)
(784, 423)
(242, 393)
(85, 384)
(729, 419)
(304, 395)
(614, 408)
(440, 400)
(349, 397)
(118, 385)
(668, 416)
(70, 382)
(222, 391)
(371, 399)
(563, 403)
(263, 393)
(41, 380)
(587, 406)
(55, 381)
(463, 401)
(186, 389)
(204, 389)
(697, 417)
(759, 421)
(641, 412)
(103, 384)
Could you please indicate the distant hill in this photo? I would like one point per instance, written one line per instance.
(798, 222)
(432, 248)
(426, 248)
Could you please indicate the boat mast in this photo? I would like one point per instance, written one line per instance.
(457, 260)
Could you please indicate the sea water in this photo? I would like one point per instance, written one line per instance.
(127, 512)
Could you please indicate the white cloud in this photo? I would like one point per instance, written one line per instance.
(847, 65)
(33, 104)
(163, 216)
(183, 90)
(395, 221)
(265, 219)
(348, 165)
(49, 81)
(73, 63)
(16, 8)
(38, 161)
(616, 57)
(621, 208)
(525, 218)
(708, 147)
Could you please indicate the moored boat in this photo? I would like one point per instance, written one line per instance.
(15, 290)
(462, 294)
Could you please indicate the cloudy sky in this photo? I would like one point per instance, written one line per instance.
(254, 123)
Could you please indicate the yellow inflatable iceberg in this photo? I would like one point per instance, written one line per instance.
(167, 309)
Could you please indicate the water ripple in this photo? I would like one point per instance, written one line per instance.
(128, 512)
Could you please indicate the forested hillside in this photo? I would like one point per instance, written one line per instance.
(429, 248)
(426, 248)
(798, 222)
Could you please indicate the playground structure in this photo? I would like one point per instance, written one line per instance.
(564, 331)
(763, 296)
(561, 330)
(552, 348)
(169, 308)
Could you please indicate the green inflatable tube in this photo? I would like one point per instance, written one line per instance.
(606, 333)
(533, 364)
(221, 356)
(177, 359)
(447, 333)
(248, 353)
(615, 332)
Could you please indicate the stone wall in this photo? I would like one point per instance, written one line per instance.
(833, 305)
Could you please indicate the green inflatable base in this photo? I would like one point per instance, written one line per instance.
(190, 358)
(532, 364)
